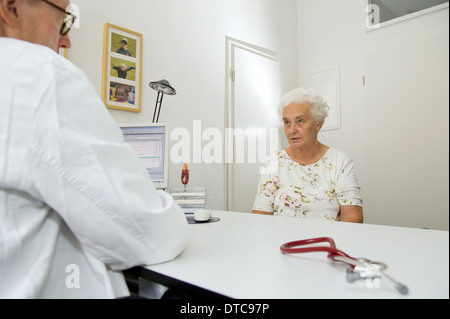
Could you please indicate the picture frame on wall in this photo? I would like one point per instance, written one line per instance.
(122, 69)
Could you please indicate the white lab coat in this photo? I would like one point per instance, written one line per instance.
(76, 204)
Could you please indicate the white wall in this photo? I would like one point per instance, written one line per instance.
(333, 33)
(184, 42)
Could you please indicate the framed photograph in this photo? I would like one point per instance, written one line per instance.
(122, 69)
(327, 84)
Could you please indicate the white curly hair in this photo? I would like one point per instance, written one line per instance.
(319, 107)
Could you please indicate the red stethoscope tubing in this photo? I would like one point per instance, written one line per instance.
(332, 251)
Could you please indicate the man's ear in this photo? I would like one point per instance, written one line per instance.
(9, 12)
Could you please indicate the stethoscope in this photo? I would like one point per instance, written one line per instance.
(360, 268)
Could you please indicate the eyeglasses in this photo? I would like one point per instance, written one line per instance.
(69, 19)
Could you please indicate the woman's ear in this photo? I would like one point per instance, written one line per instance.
(319, 125)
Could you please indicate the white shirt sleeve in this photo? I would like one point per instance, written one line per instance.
(348, 191)
(76, 161)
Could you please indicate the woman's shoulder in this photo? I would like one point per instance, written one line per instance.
(274, 162)
(277, 156)
(338, 155)
(337, 152)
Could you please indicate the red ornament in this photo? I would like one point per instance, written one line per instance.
(185, 175)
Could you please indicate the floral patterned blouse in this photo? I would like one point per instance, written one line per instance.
(308, 191)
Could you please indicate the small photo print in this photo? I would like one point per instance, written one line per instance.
(123, 45)
(121, 93)
(123, 69)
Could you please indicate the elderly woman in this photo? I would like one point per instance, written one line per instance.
(308, 179)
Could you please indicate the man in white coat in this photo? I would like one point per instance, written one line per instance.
(76, 204)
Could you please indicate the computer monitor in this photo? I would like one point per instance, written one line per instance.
(151, 143)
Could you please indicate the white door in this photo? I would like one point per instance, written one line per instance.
(406, 133)
(255, 93)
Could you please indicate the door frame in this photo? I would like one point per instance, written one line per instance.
(231, 46)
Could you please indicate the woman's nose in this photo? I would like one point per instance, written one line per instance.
(292, 129)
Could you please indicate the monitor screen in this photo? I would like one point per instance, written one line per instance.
(150, 141)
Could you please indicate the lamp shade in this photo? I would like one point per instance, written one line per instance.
(163, 86)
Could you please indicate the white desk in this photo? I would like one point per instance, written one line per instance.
(239, 257)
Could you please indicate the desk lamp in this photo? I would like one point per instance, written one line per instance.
(162, 87)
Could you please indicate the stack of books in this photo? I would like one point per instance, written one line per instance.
(189, 199)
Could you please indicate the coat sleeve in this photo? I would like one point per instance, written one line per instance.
(84, 170)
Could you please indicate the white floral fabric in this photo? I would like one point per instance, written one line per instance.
(287, 188)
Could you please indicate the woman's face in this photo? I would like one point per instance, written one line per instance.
(299, 125)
